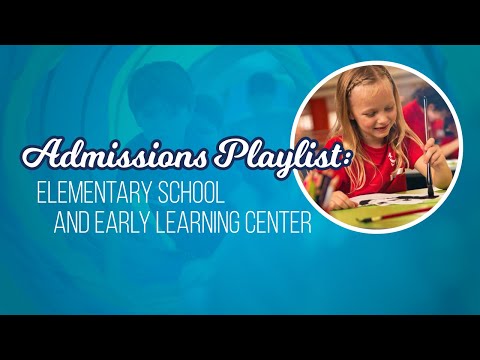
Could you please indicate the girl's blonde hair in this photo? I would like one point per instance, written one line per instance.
(350, 131)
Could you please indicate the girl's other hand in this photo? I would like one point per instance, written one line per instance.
(340, 200)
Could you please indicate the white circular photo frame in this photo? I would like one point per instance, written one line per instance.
(460, 152)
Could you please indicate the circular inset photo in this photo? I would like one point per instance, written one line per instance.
(394, 144)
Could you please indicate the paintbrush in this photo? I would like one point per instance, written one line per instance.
(389, 216)
(429, 172)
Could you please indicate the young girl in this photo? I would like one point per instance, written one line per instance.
(371, 124)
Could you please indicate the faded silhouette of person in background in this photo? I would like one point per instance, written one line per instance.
(262, 90)
(162, 100)
(258, 189)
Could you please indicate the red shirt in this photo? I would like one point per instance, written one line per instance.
(379, 179)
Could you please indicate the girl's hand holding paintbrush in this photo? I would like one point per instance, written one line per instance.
(441, 174)
(433, 154)
(321, 187)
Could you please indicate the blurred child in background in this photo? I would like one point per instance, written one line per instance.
(437, 115)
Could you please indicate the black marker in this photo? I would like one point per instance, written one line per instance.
(429, 173)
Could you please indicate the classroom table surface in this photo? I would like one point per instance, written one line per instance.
(350, 216)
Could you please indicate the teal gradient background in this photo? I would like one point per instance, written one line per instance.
(72, 91)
